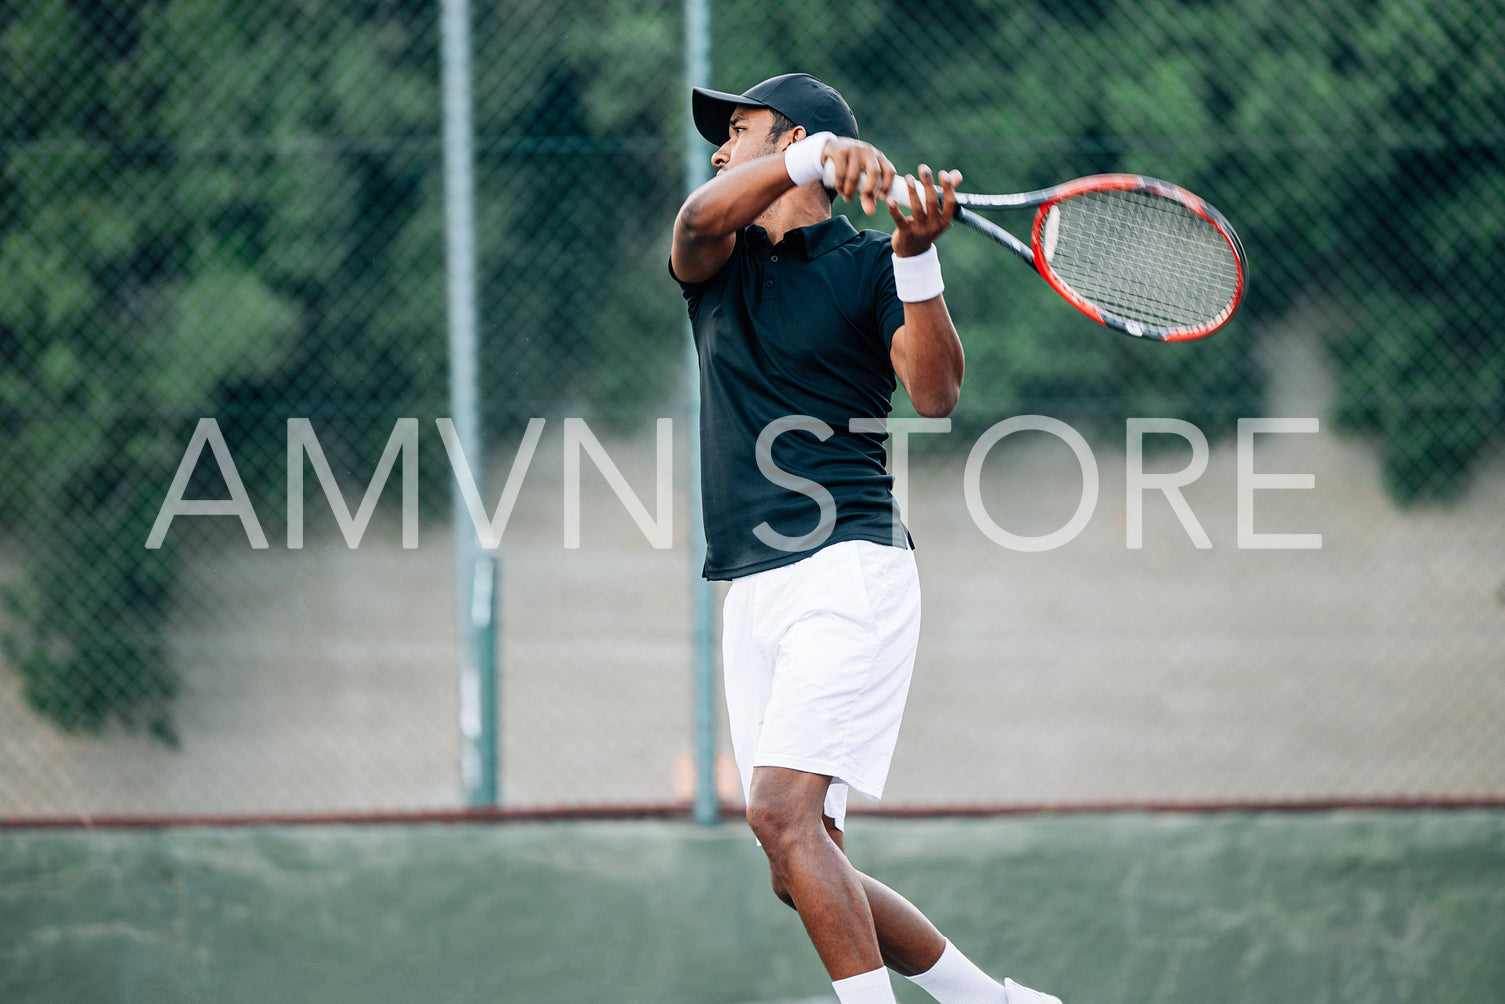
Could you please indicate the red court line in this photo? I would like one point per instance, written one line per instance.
(405, 817)
(732, 812)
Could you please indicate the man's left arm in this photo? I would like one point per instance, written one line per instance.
(926, 351)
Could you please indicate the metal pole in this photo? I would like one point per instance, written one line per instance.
(703, 628)
(475, 573)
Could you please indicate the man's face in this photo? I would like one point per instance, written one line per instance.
(749, 137)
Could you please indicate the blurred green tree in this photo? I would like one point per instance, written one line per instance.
(204, 208)
(234, 208)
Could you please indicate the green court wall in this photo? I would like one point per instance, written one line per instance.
(1362, 906)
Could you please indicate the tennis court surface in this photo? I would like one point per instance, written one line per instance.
(1371, 907)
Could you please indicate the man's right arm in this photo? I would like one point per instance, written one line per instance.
(705, 231)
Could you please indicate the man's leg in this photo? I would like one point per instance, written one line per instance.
(908, 942)
(912, 946)
(810, 871)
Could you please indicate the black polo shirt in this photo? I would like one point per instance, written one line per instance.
(794, 345)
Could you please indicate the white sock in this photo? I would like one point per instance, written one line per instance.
(865, 988)
(954, 979)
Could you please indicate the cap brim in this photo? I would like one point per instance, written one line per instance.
(712, 111)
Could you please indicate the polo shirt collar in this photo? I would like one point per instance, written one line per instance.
(817, 238)
(827, 235)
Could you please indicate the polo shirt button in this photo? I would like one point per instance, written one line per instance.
(773, 258)
(769, 284)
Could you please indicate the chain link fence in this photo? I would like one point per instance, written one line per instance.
(218, 220)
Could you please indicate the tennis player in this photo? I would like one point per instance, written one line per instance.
(802, 324)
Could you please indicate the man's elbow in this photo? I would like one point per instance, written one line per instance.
(936, 409)
(937, 402)
(694, 224)
(932, 377)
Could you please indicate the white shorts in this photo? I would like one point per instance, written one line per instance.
(817, 658)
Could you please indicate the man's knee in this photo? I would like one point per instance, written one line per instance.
(773, 826)
(782, 805)
(774, 820)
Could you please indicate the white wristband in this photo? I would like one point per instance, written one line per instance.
(802, 159)
(918, 277)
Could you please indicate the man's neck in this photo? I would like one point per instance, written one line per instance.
(799, 207)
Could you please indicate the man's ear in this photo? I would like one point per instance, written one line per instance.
(792, 136)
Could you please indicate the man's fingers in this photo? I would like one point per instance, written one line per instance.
(858, 172)
(876, 179)
(949, 181)
(850, 176)
(885, 181)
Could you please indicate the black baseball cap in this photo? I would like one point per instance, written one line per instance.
(799, 97)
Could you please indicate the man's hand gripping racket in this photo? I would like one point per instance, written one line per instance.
(1134, 253)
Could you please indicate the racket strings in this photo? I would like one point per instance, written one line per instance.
(1142, 256)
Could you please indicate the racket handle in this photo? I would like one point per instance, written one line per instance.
(900, 191)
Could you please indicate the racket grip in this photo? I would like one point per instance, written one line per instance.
(899, 192)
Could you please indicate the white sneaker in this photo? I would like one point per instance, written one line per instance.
(1015, 994)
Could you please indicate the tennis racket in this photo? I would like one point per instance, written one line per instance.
(1139, 255)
